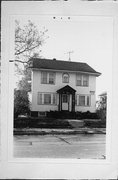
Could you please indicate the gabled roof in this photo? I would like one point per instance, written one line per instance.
(62, 65)
(103, 94)
(65, 89)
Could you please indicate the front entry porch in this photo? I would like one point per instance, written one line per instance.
(66, 99)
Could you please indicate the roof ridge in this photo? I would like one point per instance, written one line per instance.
(63, 65)
(60, 60)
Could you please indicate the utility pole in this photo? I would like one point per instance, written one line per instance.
(69, 53)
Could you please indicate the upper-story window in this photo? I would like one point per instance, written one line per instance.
(79, 80)
(82, 80)
(47, 77)
(65, 78)
(85, 80)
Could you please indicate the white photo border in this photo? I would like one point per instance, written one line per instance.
(53, 168)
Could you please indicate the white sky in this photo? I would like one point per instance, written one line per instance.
(90, 39)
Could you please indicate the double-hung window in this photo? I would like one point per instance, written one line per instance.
(79, 80)
(46, 98)
(85, 80)
(44, 77)
(82, 80)
(47, 77)
(82, 100)
(51, 78)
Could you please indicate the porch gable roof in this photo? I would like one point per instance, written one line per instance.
(66, 89)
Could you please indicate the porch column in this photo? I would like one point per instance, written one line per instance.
(60, 102)
(73, 102)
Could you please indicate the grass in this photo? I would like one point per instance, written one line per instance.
(40, 123)
(54, 123)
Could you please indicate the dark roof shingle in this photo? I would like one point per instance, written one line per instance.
(62, 65)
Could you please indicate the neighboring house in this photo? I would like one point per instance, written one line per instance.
(102, 102)
(62, 86)
(104, 94)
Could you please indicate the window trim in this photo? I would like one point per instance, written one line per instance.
(54, 75)
(81, 102)
(86, 95)
(48, 97)
(77, 74)
(82, 80)
(52, 98)
(65, 73)
(86, 81)
(48, 77)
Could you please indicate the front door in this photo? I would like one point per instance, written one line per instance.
(65, 102)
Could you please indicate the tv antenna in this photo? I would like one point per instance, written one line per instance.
(69, 54)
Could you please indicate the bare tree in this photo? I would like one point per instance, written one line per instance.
(28, 40)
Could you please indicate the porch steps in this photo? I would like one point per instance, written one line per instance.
(76, 123)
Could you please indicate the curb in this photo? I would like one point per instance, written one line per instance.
(57, 132)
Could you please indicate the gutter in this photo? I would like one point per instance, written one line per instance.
(57, 70)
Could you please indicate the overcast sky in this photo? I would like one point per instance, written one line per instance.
(90, 39)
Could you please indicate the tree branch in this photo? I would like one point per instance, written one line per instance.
(25, 62)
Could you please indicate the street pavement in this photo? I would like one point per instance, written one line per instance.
(79, 146)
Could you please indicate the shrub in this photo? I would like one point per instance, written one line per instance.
(21, 103)
(102, 107)
(72, 115)
(102, 114)
(95, 124)
(40, 123)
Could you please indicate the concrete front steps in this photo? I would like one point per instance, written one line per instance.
(76, 123)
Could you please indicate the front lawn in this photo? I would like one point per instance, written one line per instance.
(41, 123)
(44, 122)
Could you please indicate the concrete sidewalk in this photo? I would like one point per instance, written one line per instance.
(38, 131)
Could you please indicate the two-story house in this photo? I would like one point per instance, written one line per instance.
(62, 86)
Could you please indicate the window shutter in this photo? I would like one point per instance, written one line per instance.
(54, 98)
(88, 100)
(39, 98)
